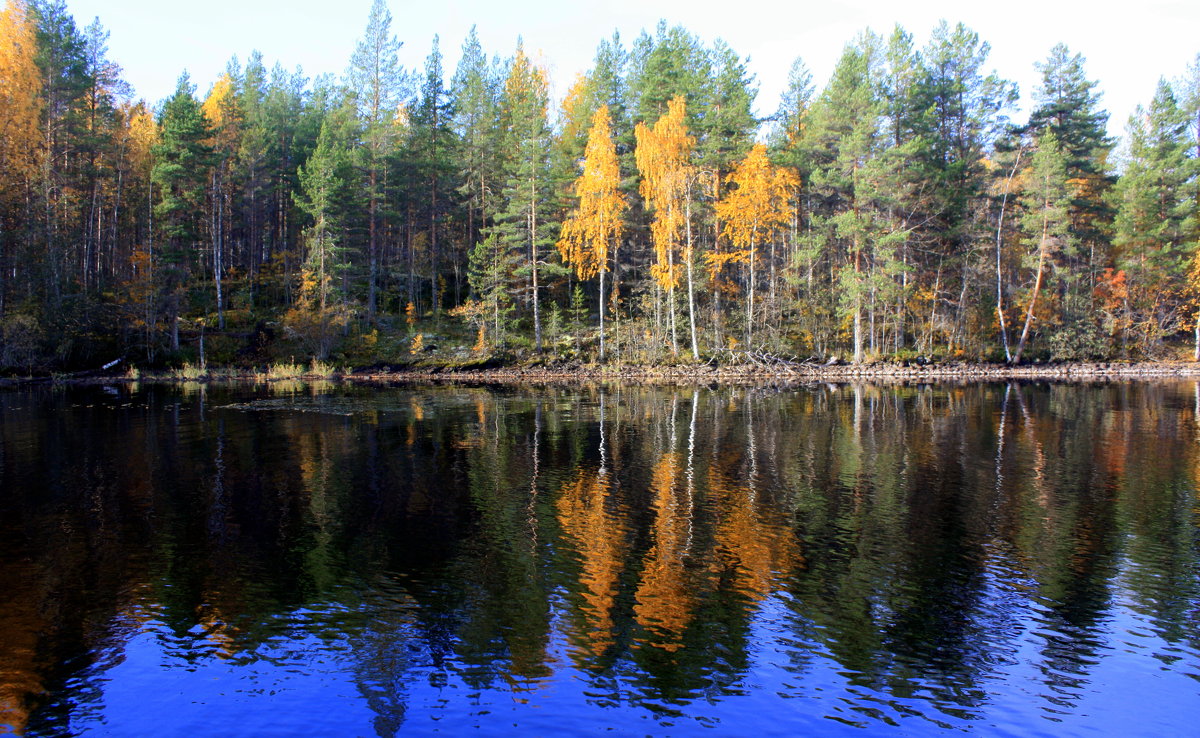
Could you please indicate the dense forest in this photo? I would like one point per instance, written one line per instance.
(390, 215)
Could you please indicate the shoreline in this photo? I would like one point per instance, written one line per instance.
(695, 374)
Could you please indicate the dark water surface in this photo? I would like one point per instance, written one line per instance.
(853, 560)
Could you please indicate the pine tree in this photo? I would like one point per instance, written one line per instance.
(672, 63)
(843, 138)
(378, 84)
(1068, 105)
(61, 59)
(1150, 226)
(321, 308)
(726, 129)
(474, 93)
(521, 224)
(898, 182)
(104, 87)
(607, 83)
(966, 108)
(489, 266)
(432, 149)
(790, 120)
(224, 115)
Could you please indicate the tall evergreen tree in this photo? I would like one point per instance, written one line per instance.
(224, 115)
(843, 138)
(521, 224)
(321, 306)
(182, 160)
(966, 106)
(61, 58)
(1068, 105)
(727, 127)
(670, 64)
(378, 84)
(1150, 229)
(432, 158)
(474, 94)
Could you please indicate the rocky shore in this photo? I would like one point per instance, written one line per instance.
(776, 371)
(796, 372)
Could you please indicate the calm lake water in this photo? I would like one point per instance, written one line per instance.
(829, 560)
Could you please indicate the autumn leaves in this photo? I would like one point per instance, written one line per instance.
(589, 232)
(750, 213)
(20, 95)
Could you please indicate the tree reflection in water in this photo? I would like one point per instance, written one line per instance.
(954, 555)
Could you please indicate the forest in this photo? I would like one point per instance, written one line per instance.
(393, 216)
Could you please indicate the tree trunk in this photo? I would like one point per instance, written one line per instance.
(750, 291)
(1037, 287)
(1196, 355)
(533, 263)
(218, 248)
(858, 333)
(691, 282)
(999, 242)
(372, 248)
(601, 315)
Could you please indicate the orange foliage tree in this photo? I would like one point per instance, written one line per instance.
(663, 157)
(20, 95)
(752, 213)
(20, 113)
(588, 232)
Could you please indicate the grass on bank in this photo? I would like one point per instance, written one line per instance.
(282, 370)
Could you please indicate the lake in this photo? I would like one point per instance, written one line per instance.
(600, 559)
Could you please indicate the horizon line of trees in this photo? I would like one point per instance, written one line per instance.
(898, 211)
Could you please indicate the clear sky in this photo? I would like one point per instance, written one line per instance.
(1126, 50)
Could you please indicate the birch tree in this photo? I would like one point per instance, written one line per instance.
(597, 223)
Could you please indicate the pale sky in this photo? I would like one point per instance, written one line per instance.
(1126, 51)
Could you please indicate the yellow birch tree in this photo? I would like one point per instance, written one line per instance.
(20, 97)
(20, 116)
(663, 157)
(752, 213)
(588, 232)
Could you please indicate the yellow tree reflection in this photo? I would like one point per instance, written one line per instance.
(599, 539)
(664, 599)
(749, 545)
